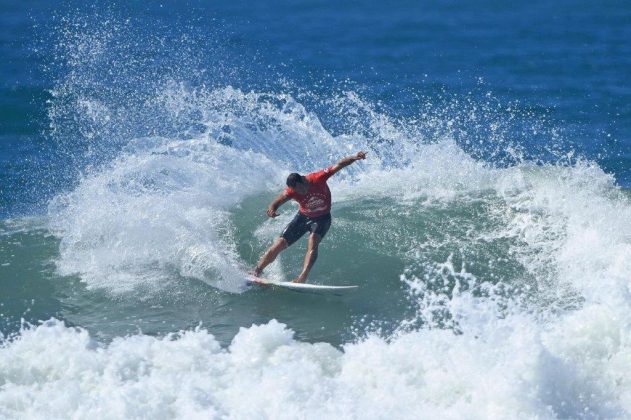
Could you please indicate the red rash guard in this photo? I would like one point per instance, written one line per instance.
(317, 201)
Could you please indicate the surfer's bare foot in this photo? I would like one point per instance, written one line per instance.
(299, 280)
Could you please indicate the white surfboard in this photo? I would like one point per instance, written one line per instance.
(300, 287)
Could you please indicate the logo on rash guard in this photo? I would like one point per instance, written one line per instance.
(316, 202)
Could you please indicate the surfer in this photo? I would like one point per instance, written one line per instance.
(314, 215)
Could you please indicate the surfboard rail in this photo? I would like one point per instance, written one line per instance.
(298, 286)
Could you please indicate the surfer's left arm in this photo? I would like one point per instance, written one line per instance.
(343, 163)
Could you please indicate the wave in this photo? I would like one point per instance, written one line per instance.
(517, 277)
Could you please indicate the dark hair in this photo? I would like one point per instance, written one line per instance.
(293, 179)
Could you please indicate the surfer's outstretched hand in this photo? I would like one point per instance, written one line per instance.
(361, 155)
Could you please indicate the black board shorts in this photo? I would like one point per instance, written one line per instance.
(302, 224)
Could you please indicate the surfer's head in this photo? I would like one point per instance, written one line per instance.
(297, 182)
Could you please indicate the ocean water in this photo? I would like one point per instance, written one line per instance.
(489, 229)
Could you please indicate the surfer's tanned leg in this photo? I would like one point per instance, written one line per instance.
(270, 255)
(310, 257)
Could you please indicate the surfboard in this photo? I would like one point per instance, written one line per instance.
(300, 287)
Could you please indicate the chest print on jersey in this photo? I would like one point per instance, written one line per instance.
(316, 202)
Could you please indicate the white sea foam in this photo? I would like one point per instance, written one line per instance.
(511, 368)
(152, 213)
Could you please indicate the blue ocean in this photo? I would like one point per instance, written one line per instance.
(488, 230)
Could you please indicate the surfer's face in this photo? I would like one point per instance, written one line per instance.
(302, 187)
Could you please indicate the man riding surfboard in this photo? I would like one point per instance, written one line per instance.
(314, 215)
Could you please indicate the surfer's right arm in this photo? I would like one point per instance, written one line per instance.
(345, 162)
(280, 199)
